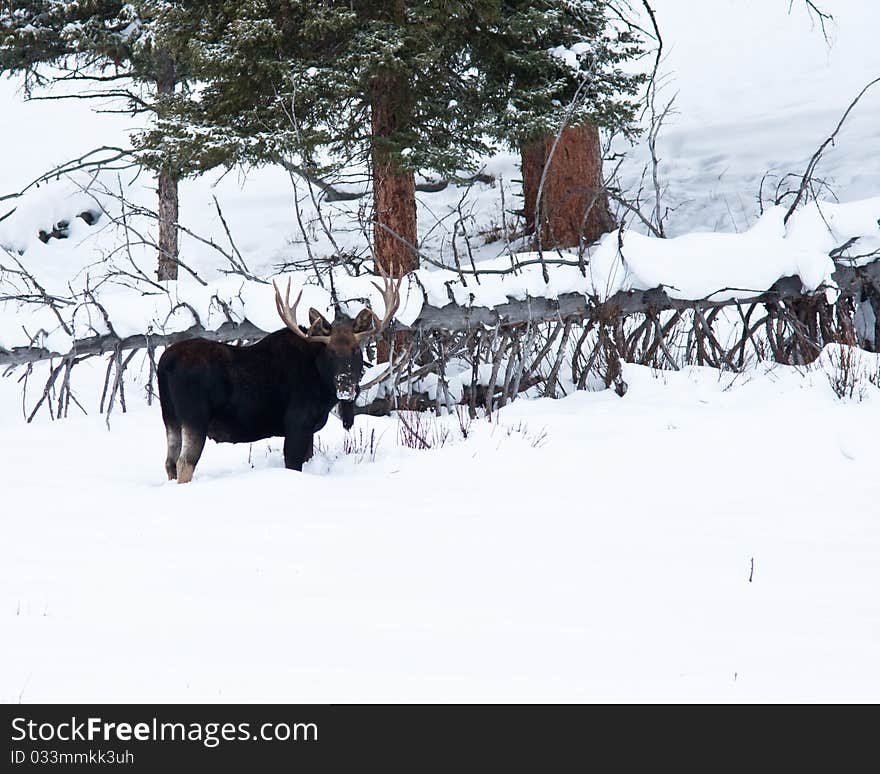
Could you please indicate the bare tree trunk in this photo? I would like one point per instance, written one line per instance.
(166, 79)
(394, 190)
(871, 296)
(168, 214)
(574, 205)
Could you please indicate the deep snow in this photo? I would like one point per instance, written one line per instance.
(611, 562)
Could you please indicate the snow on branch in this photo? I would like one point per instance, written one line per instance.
(104, 159)
(779, 290)
(846, 279)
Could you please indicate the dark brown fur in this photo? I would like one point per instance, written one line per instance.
(281, 386)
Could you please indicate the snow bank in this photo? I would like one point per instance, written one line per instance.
(613, 561)
(695, 266)
(726, 266)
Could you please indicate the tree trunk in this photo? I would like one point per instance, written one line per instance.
(394, 190)
(395, 234)
(168, 214)
(166, 80)
(871, 297)
(574, 206)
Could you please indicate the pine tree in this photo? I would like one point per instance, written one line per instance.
(132, 50)
(403, 86)
(386, 84)
(554, 78)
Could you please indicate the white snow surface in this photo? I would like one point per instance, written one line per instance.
(708, 537)
(757, 89)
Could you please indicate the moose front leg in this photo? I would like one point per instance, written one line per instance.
(298, 448)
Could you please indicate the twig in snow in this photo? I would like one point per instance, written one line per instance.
(807, 177)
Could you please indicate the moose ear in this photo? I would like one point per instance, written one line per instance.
(364, 322)
(318, 325)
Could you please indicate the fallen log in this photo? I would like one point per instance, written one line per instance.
(453, 317)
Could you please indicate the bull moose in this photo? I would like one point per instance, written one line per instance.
(283, 385)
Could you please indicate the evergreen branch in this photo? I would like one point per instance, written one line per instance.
(331, 194)
(78, 75)
(134, 98)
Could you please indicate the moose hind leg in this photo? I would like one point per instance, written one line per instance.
(173, 437)
(191, 450)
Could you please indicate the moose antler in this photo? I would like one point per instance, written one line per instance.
(288, 314)
(391, 296)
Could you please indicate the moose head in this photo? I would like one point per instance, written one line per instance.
(340, 360)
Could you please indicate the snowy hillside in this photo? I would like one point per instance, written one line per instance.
(757, 89)
(711, 536)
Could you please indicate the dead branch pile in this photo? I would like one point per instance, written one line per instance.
(483, 358)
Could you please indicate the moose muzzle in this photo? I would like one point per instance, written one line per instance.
(346, 387)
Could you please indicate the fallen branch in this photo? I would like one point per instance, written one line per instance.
(453, 317)
(807, 177)
(334, 194)
(85, 162)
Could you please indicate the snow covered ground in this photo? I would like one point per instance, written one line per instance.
(708, 537)
(757, 89)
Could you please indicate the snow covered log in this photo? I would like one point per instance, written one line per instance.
(456, 317)
(98, 345)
